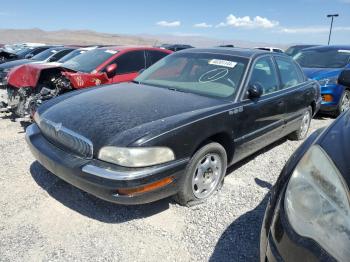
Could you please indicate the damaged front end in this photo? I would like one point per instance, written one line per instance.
(24, 101)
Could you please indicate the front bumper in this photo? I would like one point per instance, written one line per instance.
(102, 179)
(336, 91)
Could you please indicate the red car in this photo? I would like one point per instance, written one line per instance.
(29, 85)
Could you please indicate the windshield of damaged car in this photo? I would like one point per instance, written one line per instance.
(87, 62)
(320, 58)
(201, 73)
(45, 54)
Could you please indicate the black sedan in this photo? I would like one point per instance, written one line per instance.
(308, 214)
(177, 127)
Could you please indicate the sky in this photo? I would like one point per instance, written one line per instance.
(271, 21)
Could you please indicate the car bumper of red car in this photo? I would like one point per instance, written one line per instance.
(107, 181)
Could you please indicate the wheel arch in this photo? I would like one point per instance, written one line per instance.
(224, 139)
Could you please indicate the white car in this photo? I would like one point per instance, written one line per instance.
(271, 49)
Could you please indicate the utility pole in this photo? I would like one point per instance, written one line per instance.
(330, 30)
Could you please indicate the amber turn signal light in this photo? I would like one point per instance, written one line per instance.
(146, 188)
(327, 98)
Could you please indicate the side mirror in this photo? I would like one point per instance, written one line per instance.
(111, 70)
(29, 56)
(255, 91)
(344, 78)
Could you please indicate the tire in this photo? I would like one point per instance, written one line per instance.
(200, 181)
(344, 103)
(303, 129)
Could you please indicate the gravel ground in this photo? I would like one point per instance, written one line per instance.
(42, 218)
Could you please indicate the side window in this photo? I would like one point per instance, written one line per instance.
(264, 74)
(290, 75)
(155, 56)
(130, 62)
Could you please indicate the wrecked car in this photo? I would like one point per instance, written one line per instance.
(176, 128)
(51, 54)
(31, 84)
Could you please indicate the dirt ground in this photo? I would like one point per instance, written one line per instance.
(42, 218)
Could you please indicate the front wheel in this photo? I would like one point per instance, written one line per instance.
(344, 103)
(204, 175)
(303, 129)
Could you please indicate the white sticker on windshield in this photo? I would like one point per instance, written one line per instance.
(344, 51)
(113, 52)
(225, 63)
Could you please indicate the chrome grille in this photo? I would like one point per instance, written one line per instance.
(66, 139)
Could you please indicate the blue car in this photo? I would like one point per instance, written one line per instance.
(324, 64)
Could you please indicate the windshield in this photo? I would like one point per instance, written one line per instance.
(23, 52)
(71, 55)
(321, 58)
(87, 62)
(45, 54)
(201, 73)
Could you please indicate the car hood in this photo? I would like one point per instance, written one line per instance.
(14, 63)
(27, 75)
(120, 114)
(319, 73)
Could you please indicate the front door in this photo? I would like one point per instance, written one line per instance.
(259, 122)
(128, 66)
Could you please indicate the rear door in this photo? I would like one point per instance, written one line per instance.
(128, 66)
(297, 95)
(260, 121)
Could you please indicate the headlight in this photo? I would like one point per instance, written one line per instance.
(317, 203)
(36, 118)
(328, 81)
(137, 156)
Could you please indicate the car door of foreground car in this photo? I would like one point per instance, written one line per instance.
(298, 93)
(259, 121)
(128, 66)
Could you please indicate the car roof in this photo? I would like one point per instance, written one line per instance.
(235, 51)
(126, 47)
(329, 47)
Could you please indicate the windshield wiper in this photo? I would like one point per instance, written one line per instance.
(136, 82)
(175, 89)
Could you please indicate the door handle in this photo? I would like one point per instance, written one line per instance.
(280, 103)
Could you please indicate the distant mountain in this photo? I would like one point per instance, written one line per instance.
(78, 37)
(88, 37)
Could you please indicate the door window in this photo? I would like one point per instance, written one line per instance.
(130, 62)
(289, 73)
(265, 75)
(155, 56)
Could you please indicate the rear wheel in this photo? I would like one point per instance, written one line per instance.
(301, 133)
(344, 103)
(204, 175)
